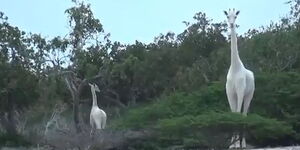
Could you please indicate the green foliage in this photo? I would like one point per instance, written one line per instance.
(178, 104)
(82, 20)
(272, 50)
(214, 129)
(19, 88)
(202, 118)
(144, 145)
(13, 140)
(275, 93)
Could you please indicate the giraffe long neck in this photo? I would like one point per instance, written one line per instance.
(94, 97)
(236, 62)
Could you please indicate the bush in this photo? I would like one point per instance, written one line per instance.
(215, 129)
(202, 118)
(13, 140)
(177, 104)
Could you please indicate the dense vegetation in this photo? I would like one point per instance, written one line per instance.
(173, 88)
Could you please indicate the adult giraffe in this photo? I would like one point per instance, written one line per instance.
(240, 81)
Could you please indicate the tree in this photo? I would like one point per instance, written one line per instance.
(84, 27)
(18, 84)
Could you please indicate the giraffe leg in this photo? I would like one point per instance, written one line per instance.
(238, 139)
(92, 127)
(241, 86)
(92, 131)
(247, 101)
(244, 142)
(240, 95)
(232, 98)
(103, 122)
(234, 142)
(98, 123)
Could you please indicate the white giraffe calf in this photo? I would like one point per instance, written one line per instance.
(97, 116)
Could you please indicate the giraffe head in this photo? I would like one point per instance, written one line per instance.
(94, 87)
(231, 16)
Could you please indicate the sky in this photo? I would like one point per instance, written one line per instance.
(142, 20)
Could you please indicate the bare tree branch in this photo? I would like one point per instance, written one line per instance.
(116, 101)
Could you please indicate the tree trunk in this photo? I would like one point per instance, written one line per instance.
(75, 97)
(76, 113)
(7, 119)
(8, 124)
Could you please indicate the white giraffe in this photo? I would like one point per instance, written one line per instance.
(240, 81)
(97, 116)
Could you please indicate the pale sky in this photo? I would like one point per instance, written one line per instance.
(142, 20)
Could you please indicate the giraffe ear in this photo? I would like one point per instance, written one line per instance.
(225, 12)
(90, 84)
(237, 12)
